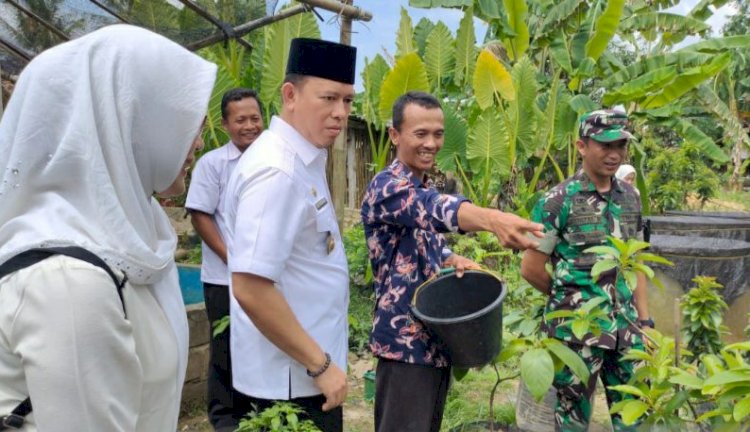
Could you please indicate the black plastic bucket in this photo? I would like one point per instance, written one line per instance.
(465, 313)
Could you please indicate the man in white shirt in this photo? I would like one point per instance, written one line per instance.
(290, 280)
(243, 120)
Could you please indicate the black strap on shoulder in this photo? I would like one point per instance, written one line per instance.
(16, 418)
(33, 256)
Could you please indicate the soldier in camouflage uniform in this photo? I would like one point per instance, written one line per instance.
(577, 214)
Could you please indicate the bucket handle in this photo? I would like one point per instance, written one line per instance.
(442, 272)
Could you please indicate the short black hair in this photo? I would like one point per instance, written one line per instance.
(296, 79)
(425, 100)
(237, 94)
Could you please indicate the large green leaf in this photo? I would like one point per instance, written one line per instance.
(560, 52)
(691, 133)
(569, 357)
(686, 81)
(454, 143)
(518, 44)
(632, 411)
(582, 103)
(489, 8)
(606, 26)
(279, 36)
(680, 59)
(487, 148)
(491, 81)
(566, 122)
(641, 87)
(372, 80)
(578, 45)
(719, 45)
(537, 372)
(439, 57)
(405, 35)
(702, 11)
(742, 409)
(465, 49)
(421, 32)
(521, 109)
(734, 131)
(408, 74)
(557, 16)
(663, 22)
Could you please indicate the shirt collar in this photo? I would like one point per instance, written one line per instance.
(232, 151)
(399, 168)
(306, 151)
(588, 185)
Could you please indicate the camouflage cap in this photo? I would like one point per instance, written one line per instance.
(604, 126)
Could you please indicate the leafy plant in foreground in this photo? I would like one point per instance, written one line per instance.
(703, 312)
(281, 417)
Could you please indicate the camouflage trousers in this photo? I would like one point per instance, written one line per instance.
(573, 409)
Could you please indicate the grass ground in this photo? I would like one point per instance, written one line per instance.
(725, 201)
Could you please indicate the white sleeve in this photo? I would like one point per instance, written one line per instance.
(269, 213)
(78, 350)
(204, 191)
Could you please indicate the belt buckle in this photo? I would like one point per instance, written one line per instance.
(12, 421)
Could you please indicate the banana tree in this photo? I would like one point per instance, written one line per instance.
(263, 68)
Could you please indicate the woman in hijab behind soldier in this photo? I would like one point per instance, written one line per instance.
(94, 129)
(627, 174)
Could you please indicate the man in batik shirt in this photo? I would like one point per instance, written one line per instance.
(577, 214)
(403, 217)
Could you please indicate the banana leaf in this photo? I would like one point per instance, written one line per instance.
(518, 44)
(691, 133)
(686, 81)
(606, 26)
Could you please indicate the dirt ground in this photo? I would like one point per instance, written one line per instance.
(358, 413)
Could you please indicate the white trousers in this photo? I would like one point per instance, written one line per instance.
(65, 342)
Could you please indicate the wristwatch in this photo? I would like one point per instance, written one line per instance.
(647, 323)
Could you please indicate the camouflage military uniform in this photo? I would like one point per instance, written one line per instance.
(576, 217)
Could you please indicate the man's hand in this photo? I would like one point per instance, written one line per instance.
(512, 231)
(333, 384)
(460, 263)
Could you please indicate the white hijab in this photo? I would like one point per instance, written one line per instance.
(624, 170)
(94, 127)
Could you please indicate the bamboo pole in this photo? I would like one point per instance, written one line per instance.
(339, 154)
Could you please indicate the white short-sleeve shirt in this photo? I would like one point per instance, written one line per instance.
(206, 194)
(282, 226)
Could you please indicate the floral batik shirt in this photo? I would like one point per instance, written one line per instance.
(403, 221)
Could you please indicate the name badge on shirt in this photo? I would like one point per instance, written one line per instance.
(321, 203)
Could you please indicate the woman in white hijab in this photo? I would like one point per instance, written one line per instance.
(626, 173)
(94, 128)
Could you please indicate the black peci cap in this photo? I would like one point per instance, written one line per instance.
(322, 59)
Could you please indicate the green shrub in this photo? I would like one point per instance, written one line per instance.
(677, 173)
(357, 256)
(703, 312)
